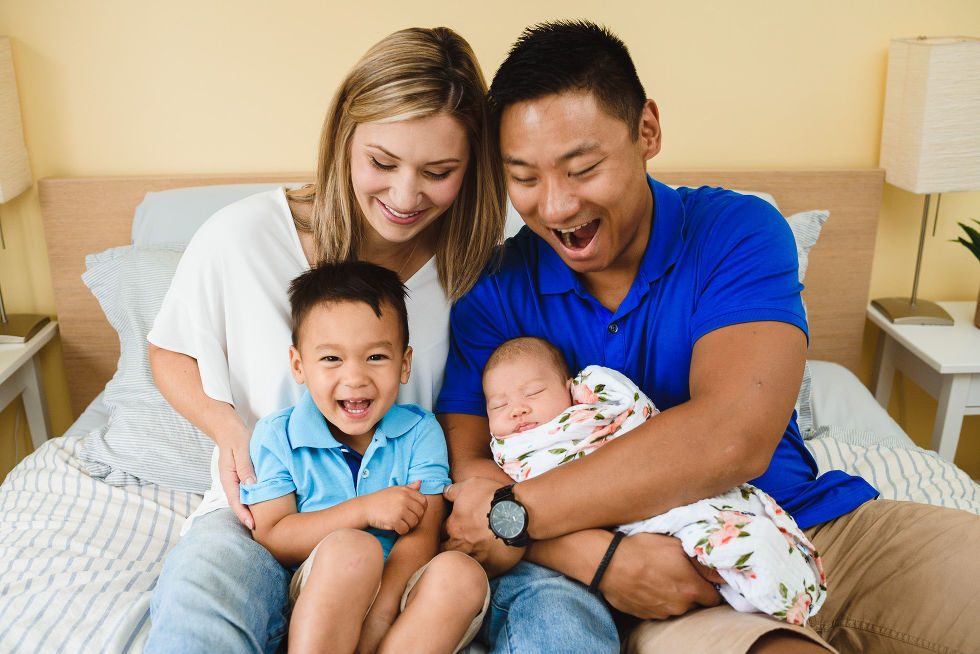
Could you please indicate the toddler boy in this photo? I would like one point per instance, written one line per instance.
(349, 483)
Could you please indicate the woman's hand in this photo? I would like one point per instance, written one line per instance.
(650, 576)
(234, 466)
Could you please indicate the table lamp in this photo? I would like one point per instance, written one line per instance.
(15, 178)
(930, 140)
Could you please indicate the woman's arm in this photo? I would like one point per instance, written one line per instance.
(178, 378)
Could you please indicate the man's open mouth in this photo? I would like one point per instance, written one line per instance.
(578, 237)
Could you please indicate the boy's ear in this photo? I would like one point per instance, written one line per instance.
(296, 365)
(406, 365)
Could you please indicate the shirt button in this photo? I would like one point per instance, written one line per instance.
(613, 328)
(365, 473)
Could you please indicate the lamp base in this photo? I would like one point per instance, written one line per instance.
(901, 311)
(20, 327)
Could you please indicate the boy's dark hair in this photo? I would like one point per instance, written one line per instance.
(568, 55)
(348, 281)
(522, 346)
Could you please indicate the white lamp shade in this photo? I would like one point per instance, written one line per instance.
(15, 167)
(930, 141)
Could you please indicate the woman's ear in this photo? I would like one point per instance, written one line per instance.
(296, 365)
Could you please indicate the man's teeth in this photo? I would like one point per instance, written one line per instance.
(566, 234)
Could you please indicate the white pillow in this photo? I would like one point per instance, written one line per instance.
(174, 215)
(145, 439)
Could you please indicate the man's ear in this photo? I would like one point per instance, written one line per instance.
(650, 134)
(406, 365)
(296, 365)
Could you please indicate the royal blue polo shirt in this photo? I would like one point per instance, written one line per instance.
(293, 451)
(714, 258)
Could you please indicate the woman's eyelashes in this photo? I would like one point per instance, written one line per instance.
(431, 174)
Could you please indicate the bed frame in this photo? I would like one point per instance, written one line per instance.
(88, 215)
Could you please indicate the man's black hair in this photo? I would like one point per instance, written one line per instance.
(348, 281)
(568, 55)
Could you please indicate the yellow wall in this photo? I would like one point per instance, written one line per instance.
(116, 87)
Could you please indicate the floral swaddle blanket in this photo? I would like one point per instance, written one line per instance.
(767, 562)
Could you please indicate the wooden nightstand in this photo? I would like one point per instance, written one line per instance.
(20, 373)
(943, 360)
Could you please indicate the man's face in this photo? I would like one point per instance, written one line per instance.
(578, 179)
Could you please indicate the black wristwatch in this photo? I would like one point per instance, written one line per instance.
(508, 518)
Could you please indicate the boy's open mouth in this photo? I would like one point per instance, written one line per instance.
(355, 408)
(578, 237)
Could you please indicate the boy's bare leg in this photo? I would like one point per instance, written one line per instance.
(342, 585)
(445, 600)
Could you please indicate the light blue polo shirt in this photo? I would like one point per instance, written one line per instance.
(715, 258)
(293, 451)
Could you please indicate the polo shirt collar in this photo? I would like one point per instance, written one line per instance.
(308, 427)
(663, 248)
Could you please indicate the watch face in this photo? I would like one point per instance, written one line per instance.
(508, 519)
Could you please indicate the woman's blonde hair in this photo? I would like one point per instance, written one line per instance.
(412, 73)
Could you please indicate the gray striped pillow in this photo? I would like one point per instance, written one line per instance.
(145, 441)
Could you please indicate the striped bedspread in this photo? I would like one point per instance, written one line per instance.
(78, 558)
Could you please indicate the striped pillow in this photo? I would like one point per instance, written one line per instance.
(145, 441)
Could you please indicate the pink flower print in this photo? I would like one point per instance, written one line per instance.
(800, 611)
(788, 536)
(582, 394)
(580, 416)
(611, 428)
(723, 535)
(646, 412)
(512, 468)
(731, 518)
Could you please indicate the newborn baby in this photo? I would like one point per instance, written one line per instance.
(540, 417)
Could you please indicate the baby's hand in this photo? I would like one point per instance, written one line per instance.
(396, 508)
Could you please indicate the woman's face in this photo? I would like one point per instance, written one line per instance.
(406, 173)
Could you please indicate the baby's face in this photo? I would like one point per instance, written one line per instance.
(524, 392)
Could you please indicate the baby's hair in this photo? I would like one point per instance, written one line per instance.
(528, 346)
(348, 281)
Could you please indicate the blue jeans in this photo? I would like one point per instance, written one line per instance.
(219, 591)
(535, 609)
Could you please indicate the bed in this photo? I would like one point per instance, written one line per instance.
(82, 540)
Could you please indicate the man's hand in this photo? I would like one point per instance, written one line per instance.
(467, 527)
(234, 466)
(396, 508)
(468, 530)
(651, 577)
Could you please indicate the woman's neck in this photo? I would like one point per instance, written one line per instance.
(404, 258)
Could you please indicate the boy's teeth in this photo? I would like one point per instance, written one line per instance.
(356, 406)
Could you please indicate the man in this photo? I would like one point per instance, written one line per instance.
(694, 295)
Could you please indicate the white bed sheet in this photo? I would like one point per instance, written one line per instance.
(79, 558)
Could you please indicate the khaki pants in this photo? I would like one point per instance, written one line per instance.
(902, 577)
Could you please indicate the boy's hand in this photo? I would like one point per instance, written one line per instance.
(372, 631)
(396, 508)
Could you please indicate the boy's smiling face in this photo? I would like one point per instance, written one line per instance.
(352, 363)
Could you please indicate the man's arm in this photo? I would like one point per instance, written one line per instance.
(744, 380)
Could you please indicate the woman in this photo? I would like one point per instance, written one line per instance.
(408, 178)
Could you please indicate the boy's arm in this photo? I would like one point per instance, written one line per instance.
(290, 536)
(409, 553)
